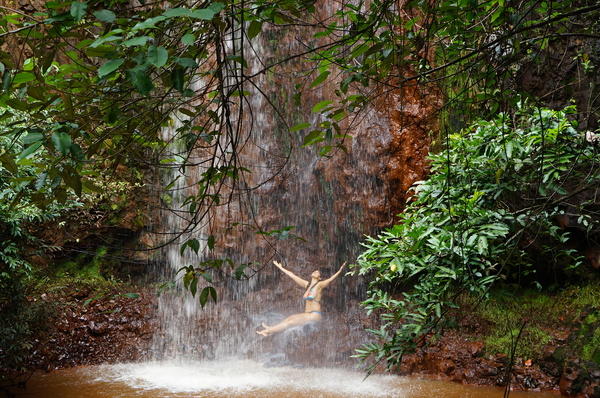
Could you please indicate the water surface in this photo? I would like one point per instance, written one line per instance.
(242, 379)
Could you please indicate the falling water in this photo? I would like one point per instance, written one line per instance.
(321, 200)
(324, 206)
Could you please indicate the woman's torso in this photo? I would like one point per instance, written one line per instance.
(312, 298)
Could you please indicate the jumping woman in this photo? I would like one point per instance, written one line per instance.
(312, 299)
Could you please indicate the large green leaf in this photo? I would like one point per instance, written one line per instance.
(9, 163)
(320, 79)
(204, 13)
(177, 12)
(207, 292)
(73, 181)
(177, 78)
(186, 62)
(313, 137)
(136, 41)
(100, 51)
(105, 15)
(140, 80)
(62, 142)
(157, 56)
(6, 81)
(188, 39)
(78, 10)
(110, 66)
(254, 29)
(30, 150)
(34, 135)
(148, 23)
(23, 77)
(300, 126)
(321, 105)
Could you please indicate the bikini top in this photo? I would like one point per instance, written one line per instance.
(310, 294)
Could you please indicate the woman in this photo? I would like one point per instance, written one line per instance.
(312, 298)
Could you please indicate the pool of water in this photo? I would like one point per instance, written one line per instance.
(241, 379)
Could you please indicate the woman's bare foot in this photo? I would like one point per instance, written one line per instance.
(263, 332)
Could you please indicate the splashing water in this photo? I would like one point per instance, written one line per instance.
(242, 379)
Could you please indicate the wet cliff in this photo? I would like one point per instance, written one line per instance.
(302, 209)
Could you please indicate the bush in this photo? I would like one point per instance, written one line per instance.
(487, 214)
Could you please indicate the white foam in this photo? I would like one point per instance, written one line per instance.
(237, 378)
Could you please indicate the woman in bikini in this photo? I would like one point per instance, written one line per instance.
(312, 299)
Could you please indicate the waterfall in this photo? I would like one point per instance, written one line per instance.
(324, 206)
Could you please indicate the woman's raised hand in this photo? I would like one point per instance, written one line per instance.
(277, 264)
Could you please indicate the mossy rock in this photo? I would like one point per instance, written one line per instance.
(585, 339)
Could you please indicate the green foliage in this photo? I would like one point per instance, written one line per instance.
(472, 50)
(489, 203)
(21, 322)
(19, 318)
(192, 275)
(22, 319)
(113, 78)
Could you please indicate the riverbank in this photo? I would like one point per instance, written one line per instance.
(551, 345)
(531, 340)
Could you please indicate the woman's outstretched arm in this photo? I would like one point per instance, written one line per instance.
(289, 273)
(326, 282)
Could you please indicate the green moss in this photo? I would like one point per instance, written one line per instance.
(93, 271)
(589, 336)
(541, 313)
(529, 343)
(580, 296)
(76, 270)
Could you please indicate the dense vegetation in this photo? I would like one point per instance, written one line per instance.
(94, 81)
(487, 215)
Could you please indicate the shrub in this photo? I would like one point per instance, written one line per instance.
(486, 214)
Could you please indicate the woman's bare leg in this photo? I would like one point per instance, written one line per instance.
(293, 320)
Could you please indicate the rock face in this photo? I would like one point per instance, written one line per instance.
(578, 360)
(323, 205)
(89, 331)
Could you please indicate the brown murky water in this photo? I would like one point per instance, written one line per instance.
(241, 379)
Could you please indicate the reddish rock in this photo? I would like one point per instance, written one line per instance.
(88, 335)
